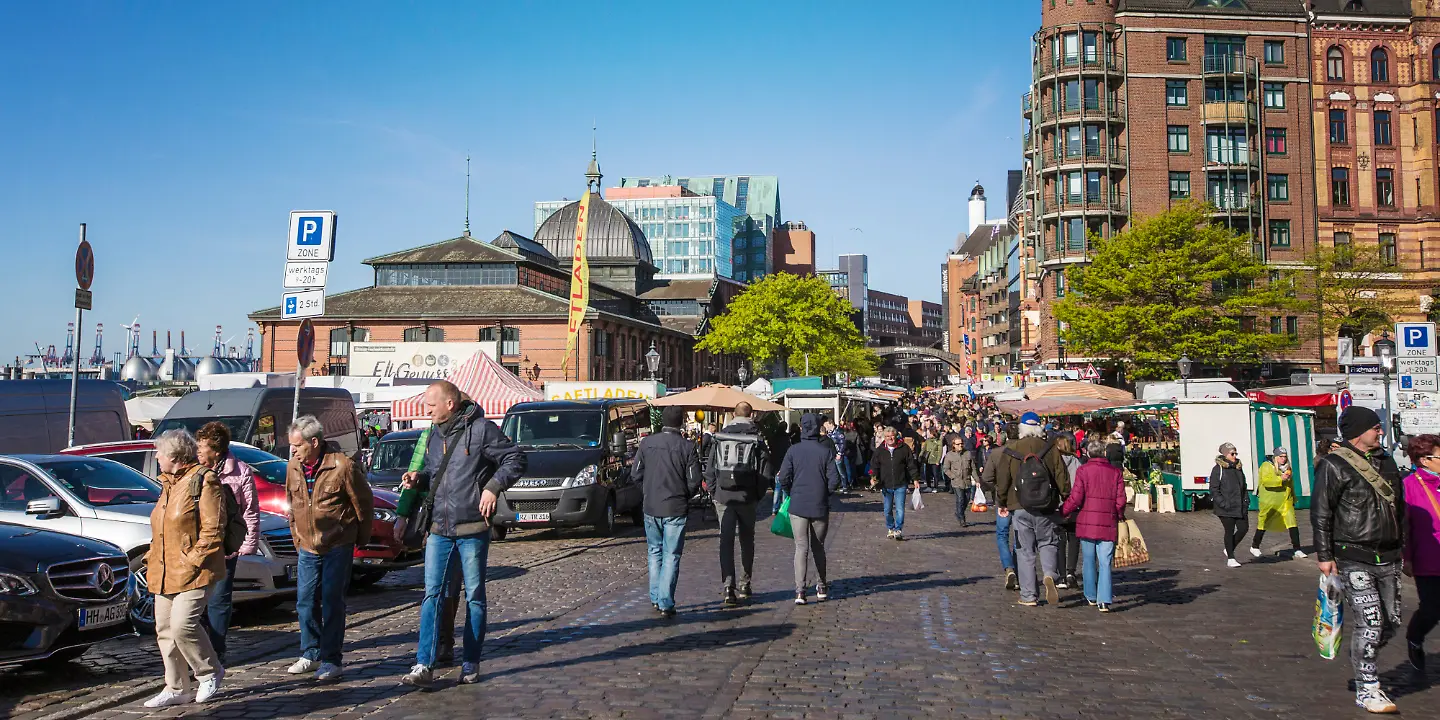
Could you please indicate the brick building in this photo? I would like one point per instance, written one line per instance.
(793, 245)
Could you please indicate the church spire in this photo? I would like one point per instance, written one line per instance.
(592, 173)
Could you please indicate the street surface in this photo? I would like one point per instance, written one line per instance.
(919, 628)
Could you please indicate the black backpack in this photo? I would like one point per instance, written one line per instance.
(234, 523)
(737, 460)
(1034, 485)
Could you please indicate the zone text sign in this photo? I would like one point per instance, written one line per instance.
(312, 236)
(1417, 339)
(1417, 366)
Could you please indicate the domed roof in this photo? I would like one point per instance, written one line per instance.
(978, 192)
(611, 235)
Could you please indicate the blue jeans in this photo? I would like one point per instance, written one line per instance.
(471, 553)
(962, 503)
(843, 465)
(217, 616)
(777, 497)
(894, 501)
(665, 537)
(321, 582)
(1098, 554)
(1002, 542)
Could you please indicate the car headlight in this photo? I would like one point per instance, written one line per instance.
(587, 476)
(16, 585)
(387, 516)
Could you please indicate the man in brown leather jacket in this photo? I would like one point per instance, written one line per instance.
(331, 510)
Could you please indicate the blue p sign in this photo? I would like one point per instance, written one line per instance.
(1417, 336)
(308, 230)
(290, 306)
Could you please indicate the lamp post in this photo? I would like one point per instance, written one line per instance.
(652, 360)
(1385, 349)
(1186, 366)
(743, 374)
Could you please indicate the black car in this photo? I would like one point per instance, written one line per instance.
(390, 458)
(59, 594)
(578, 455)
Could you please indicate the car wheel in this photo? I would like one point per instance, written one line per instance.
(365, 578)
(142, 603)
(498, 533)
(605, 526)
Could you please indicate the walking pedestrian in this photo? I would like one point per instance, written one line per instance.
(212, 444)
(1422, 547)
(331, 510)
(809, 476)
(669, 472)
(956, 468)
(1359, 533)
(735, 476)
(1068, 552)
(853, 458)
(893, 468)
(1097, 500)
(1029, 482)
(468, 463)
(1277, 502)
(185, 561)
(837, 438)
(406, 509)
(930, 451)
(1231, 500)
(1004, 543)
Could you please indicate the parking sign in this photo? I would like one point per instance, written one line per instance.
(1417, 339)
(312, 235)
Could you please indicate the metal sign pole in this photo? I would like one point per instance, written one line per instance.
(299, 378)
(75, 369)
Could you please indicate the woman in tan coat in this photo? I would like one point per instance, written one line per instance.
(186, 560)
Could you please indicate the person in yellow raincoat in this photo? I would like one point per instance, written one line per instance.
(1277, 501)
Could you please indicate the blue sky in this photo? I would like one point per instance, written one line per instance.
(184, 133)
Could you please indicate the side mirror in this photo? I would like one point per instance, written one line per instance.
(617, 444)
(43, 506)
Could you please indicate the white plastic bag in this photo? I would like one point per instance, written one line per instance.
(977, 503)
(915, 502)
(1329, 614)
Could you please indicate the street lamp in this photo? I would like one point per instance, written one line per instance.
(652, 360)
(742, 373)
(1186, 366)
(1385, 349)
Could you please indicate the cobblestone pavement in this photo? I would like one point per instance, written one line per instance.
(919, 628)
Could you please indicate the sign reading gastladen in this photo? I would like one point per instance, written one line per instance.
(579, 282)
(432, 360)
(603, 390)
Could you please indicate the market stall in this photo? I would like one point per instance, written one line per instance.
(836, 403)
(487, 382)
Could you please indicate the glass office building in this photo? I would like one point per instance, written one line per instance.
(688, 235)
(756, 197)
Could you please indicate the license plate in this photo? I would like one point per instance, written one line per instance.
(532, 517)
(289, 572)
(105, 615)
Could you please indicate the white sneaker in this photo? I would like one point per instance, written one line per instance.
(1373, 699)
(209, 687)
(1299, 555)
(1254, 551)
(328, 672)
(1232, 562)
(167, 698)
(469, 673)
(303, 666)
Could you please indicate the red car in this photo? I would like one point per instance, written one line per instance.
(381, 555)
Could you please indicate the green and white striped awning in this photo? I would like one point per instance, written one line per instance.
(1293, 430)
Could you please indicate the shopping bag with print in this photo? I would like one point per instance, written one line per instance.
(915, 502)
(1329, 613)
(780, 525)
(977, 503)
(1130, 548)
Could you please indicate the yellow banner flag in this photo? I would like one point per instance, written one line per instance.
(579, 283)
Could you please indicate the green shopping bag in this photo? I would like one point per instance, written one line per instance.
(781, 524)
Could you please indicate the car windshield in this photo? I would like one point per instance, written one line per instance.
(537, 428)
(267, 465)
(393, 454)
(238, 425)
(103, 482)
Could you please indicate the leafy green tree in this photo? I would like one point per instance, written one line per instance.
(781, 317)
(1170, 285)
(1344, 289)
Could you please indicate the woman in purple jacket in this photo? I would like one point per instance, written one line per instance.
(1098, 494)
(1422, 547)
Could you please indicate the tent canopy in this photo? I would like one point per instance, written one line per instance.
(1304, 396)
(715, 397)
(487, 382)
(1054, 407)
(1070, 389)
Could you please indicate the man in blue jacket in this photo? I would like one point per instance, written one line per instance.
(669, 471)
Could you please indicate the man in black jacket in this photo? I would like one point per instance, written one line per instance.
(669, 472)
(1358, 518)
(893, 468)
(736, 492)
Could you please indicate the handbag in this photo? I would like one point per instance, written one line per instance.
(780, 525)
(419, 526)
(915, 502)
(1130, 548)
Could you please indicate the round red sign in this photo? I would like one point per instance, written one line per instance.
(305, 343)
(84, 265)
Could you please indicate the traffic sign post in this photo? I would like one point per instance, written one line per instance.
(312, 235)
(304, 355)
(84, 275)
(309, 248)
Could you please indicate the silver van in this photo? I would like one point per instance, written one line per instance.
(35, 414)
(261, 416)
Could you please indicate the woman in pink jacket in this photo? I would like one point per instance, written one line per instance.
(213, 441)
(1097, 493)
(1422, 546)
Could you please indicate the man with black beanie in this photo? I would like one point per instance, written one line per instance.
(1359, 524)
(669, 471)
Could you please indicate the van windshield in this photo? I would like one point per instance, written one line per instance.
(238, 425)
(393, 454)
(537, 428)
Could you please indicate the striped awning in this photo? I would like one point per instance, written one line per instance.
(1293, 430)
(487, 382)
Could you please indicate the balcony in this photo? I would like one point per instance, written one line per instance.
(1090, 63)
(1097, 203)
(1234, 202)
(1091, 109)
(1226, 158)
(1089, 155)
(1233, 64)
(1229, 113)
(1026, 103)
(1053, 257)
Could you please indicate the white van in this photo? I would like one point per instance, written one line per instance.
(35, 414)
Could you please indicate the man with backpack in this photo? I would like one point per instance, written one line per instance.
(736, 472)
(1030, 481)
(242, 523)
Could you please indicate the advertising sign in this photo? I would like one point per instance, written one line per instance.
(603, 390)
(579, 281)
(432, 360)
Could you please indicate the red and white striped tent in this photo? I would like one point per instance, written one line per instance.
(487, 382)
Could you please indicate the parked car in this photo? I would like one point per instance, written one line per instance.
(35, 414)
(578, 455)
(59, 594)
(260, 416)
(390, 458)
(105, 500)
(381, 555)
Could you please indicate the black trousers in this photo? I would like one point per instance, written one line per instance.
(1294, 538)
(1235, 529)
(1427, 615)
(1069, 550)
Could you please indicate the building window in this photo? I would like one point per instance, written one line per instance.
(1382, 127)
(1292, 326)
(1387, 249)
(340, 339)
(1379, 66)
(1342, 240)
(1275, 141)
(1385, 187)
(1175, 49)
(1176, 93)
(1179, 185)
(1179, 138)
(1435, 63)
(1274, 52)
(1340, 187)
(1275, 95)
(420, 334)
(1060, 284)
(1280, 233)
(509, 339)
(1278, 187)
(1335, 64)
(1337, 127)
(1277, 324)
